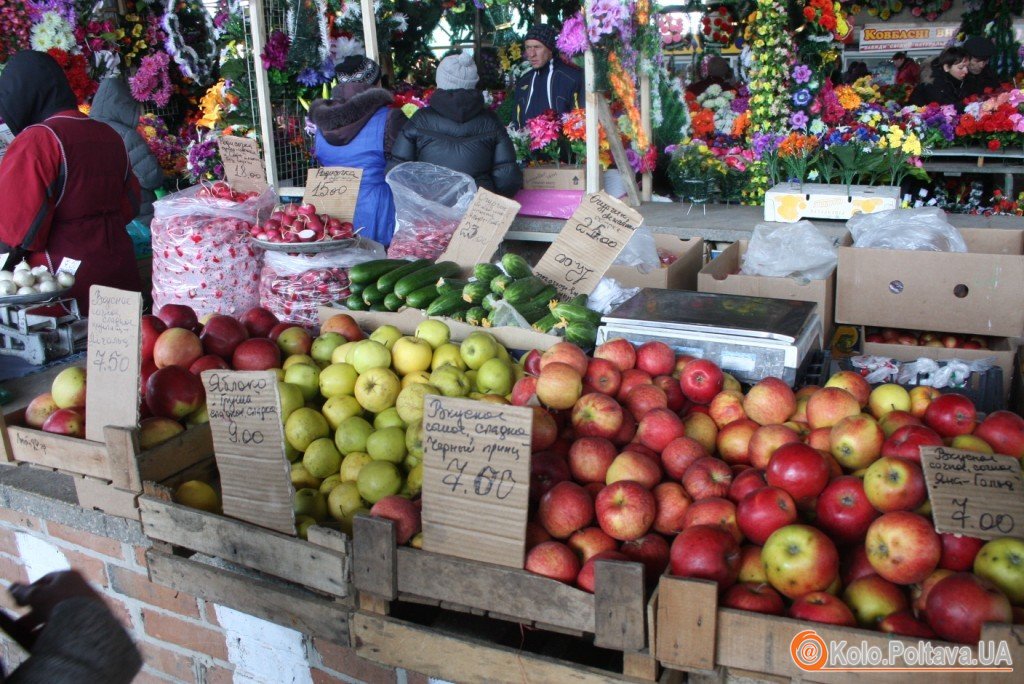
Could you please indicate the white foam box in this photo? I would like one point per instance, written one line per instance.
(791, 202)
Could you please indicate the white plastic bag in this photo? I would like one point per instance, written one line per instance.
(430, 201)
(952, 373)
(876, 369)
(797, 250)
(505, 315)
(609, 294)
(641, 251)
(923, 230)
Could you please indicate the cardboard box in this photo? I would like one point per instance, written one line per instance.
(977, 293)
(722, 276)
(549, 177)
(1004, 350)
(679, 275)
(790, 202)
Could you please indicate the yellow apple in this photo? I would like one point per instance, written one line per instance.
(411, 354)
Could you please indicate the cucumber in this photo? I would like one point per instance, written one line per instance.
(458, 315)
(421, 298)
(580, 300)
(499, 284)
(426, 276)
(446, 285)
(583, 335)
(446, 304)
(369, 271)
(490, 301)
(486, 272)
(476, 315)
(378, 307)
(524, 290)
(372, 295)
(516, 266)
(355, 303)
(534, 314)
(474, 293)
(543, 299)
(392, 302)
(574, 313)
(386, 283)
(545, 324)
(356, 288)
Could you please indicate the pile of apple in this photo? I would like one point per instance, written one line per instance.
(809, 503)
(917, 338)
(290, 223)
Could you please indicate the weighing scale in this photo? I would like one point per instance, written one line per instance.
(41, 332)
(750, 337)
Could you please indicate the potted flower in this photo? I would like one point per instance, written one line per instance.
(695, 172)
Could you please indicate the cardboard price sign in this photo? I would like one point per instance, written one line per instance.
(588, 244)
(978, 495)
(334, 190)
(248, 442)
(112, 360)
(481, 230)
(476, 479)
(243, 165)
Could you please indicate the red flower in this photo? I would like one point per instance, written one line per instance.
(809, 13)
(993, 144)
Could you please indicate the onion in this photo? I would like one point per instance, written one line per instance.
(48, 286)
(65, 279)
(7, 287)
(6, 276)
(24, 278)
(40, 270)
(27, 289)
(23, 266)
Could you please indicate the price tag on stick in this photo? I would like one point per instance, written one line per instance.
(243, 165)
(112, 360)
(481, 230)
(588, 244)
(334, 190)
(248, 442)
(476, 479)
(974, 494)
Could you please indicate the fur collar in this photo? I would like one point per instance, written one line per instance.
(341, 121)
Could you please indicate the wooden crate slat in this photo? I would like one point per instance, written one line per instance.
(687, 614)
(69, 454)
(176, 454)
(374, 564)
(103, 496)
(619, 606)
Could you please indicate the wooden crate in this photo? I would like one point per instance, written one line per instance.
(719, 644)
(108, 475)
(617, 615)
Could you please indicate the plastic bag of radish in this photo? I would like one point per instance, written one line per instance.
(202, 256)
(430, 201)
(295, 286)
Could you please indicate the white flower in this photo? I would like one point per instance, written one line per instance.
(401, 22)
(53, 31)
(344, 47)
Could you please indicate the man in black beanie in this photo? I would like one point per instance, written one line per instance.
(551, 84)
(979, 74)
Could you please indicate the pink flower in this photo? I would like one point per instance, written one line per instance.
(543, 129)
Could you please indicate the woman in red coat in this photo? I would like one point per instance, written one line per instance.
(66, 185)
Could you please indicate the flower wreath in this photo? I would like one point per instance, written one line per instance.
(718, 26)
(183, 17)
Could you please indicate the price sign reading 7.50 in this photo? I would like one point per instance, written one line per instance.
(112, 363)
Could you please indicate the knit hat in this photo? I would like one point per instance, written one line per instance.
(544, 34)
(357, 69)
(979, 47)
(457, 71)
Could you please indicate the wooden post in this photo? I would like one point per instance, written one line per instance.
(645, 120)
(259, 35)
(593, 133)
(604, 112)
(369, 30)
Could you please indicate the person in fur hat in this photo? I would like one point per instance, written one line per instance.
(357, 127)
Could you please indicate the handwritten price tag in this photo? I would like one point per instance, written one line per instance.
(481, 230)
(476, 479)
(248, 442)
(588, 244)
(243, 165)
(978, 495)
(112, 360)
(334, 190)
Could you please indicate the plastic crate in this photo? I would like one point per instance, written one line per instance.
(984, 389)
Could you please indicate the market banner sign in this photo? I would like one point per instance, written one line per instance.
(890, 37)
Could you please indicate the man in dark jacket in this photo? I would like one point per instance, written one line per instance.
(458, 132)
(980, 75)
(552, 84)
(115, 106)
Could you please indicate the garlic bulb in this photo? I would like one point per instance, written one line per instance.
(23, 266)
(48, 286)
(40, 270)
(65, 279)
(24, 278)
(6, 275)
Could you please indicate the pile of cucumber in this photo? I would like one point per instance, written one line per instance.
(389, 284)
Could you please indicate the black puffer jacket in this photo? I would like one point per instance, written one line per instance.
(938, 86)
(456, 131)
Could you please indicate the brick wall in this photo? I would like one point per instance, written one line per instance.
(183, 638)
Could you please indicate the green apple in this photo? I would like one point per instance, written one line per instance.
(377, 389)
(330, 483)
(291, 453)
(434, 332)
(503, 353)
(447, 354)
(378, 479)
(351, 435)
(306, 378)
(352, 464)
(311, 502)
(413, 481)
(298, 358)
(451, 381)
(478, 348)
(301, 478)
(413, 378)
(201, 416)
(518, 373)
(1001, 561)
(337, 409)
(369, 354)
(471, 377)
(302, 525)
(386, 335)
(387, 445)
(414, 439)
(322, 458)
(495, 377)
(340, 353)
(344, 500)
(324, 346)
(411, 354)
(411, 462)
(410, 401)
(389, 418)
(291, 398)
(338, 379)
(304, 426)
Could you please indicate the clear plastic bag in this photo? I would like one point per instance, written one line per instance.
(609, 294)
(876, 369)
(952, 373)
(430, 201)
(641, 251)
(796, 250)
(923, 230)
(202, 256)
(505, 315)
(295, 286)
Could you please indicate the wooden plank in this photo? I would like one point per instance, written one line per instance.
(288, 606)
(103, 496)
(374, 604)
(177, 454)
(642, 665)
(647, 180)
(494, 588)
(263, 115)
(604, 113)
(5, 454)
(329, 538)
(460, 659)
(592, 121)
(687, 615)
(254, 547)
(619, 611)
(122, 447)
(67, 454)
(374, 563)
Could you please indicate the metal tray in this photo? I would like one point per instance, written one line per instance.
(33, 298)
(305, 247)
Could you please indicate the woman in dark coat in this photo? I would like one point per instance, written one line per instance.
(458, 132)
(942, 80)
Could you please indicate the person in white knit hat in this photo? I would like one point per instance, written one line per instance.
(457, 131)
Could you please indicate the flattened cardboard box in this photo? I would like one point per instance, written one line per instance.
(554, 178)
(679, 275)
(977, 293)
(790, 202)
(722, 276)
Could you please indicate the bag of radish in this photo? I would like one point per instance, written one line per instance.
(202, 256)
(430, 201)
(295, 286)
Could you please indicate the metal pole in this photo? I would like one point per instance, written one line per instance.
(370, 30)
(258, 32)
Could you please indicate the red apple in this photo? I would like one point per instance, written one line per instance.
(714, 511)
(920, 397)
(707, 477)
(344, 325)
(403, 512)
(655, 358)
(829, 405)
(751, 567)
(39, 409)
(173, 392)
(1004, 432)
(524, 392)
(151, 329)
(567, 353)
(903, 547)
(673, 393)
(645, 398)
(799, 470)
(733, 441)
(258, 321)
(591, 541)
(919, 592)
(154, 431)
(589, 458)
(559, 385)
(894, 420)
(769, 402)
(293, 340)
(800, 559)
(706, 552)
(823, 607)
(658, 428)
(555, 560)
(65, 421)
(627, 432)
(856, 441)
(178, 316)
(727, 407)
(757, 598)
(672, 502)
(564, 509)
(843, 510)
(763, 511)
(547, 469)
(678, 454)
(531, 362)
(604, 376)
(906, 442)
(905, 624)
(766, 440)
(631, 379)
(596, 415)
(208, 362)
(958, 551)
(951, 415)
(256, 353)
(636, 467)
(585, 578)
(222, 334)
(619, 351)
(873, 598)
(895, 484)
(960, 604)
(545, 430)
(650, 550)
(854, 383)
(701, 380)
(535, 534)
(745, 482)
(625, 510)
(176, 347)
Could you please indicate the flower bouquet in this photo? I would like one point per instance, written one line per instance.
(695, 172)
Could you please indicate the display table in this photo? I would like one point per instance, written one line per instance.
(958, 160)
